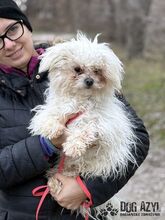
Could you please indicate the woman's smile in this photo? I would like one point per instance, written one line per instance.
(16, 54)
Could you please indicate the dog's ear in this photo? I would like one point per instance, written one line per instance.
(49, 58)
(116, 73)
(53, 57)
(46, 59)
(115, 69)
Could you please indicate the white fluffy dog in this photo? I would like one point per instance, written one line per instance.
(83, 78)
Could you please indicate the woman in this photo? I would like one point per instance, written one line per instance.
(24, 159)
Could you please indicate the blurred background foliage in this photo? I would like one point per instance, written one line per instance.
(136, 32)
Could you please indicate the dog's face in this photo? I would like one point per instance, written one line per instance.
(82, 66)
(82, 76)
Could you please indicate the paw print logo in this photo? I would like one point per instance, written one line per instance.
(114, 212)
(108, 211)
(111, 210)
(109, 206)
(104, 213)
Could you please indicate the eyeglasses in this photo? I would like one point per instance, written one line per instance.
(14, 32)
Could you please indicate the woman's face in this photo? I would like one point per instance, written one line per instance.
(16, 53)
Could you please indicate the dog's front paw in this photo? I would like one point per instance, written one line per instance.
(54, 186)
(54, 130)
(74, 149)
(57, 131)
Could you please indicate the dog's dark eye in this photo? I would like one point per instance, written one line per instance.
(78, 70)
(97, 71)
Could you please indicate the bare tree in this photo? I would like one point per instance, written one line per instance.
(137, 27)
(155, 31)
(123, 21)
(131, 20)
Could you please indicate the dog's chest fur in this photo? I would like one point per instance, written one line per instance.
(107, 121)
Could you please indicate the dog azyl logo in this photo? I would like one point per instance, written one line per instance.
(143, 208)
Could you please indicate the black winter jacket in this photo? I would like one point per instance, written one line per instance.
(22, 163)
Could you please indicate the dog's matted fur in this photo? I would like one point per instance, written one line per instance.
(83, 77)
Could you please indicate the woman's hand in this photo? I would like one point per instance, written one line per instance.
(71, 195)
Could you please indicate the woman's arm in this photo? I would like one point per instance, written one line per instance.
(21, 161)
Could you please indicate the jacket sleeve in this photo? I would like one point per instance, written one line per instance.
(21, 161)
(100, 190)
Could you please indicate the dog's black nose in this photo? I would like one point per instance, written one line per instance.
(89, 82)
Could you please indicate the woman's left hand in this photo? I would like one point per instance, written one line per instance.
(71, 195)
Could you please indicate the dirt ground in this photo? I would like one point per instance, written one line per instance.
(147, 185)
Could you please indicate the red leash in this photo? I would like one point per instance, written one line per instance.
(88, 203)
(37, 192)
(43, 191)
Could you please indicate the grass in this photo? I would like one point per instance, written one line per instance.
(144, 87)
